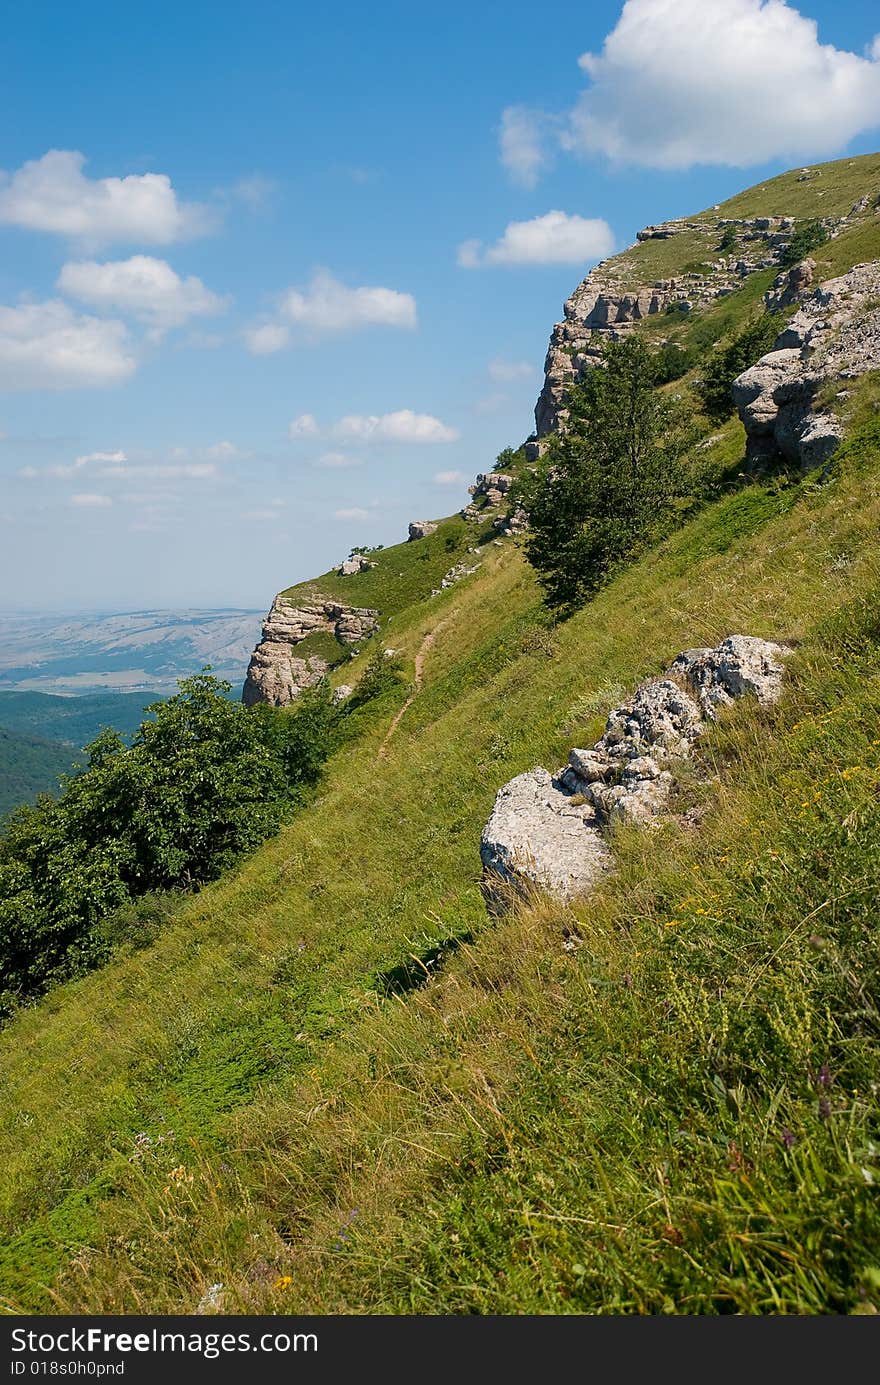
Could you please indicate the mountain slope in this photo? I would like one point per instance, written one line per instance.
(29, 765)
(335, 1084)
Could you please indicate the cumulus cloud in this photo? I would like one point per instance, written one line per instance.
(49, 346)
(146, 288)
(448, 478)
(506, 372)
(265, 339)
(403, 425)
(684, 82)
(98, 457)
(303, 426)
(353, 512)
(328, 305)
(85, 501)
(554, 238)
(53, 194)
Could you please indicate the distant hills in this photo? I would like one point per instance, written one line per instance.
(110, 666)
(129, 651)
(41, 735)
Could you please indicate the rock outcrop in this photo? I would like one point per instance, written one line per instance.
(420, 529)
(834, 335)
(276, 674)
(353, 565)
(550, 831)
(610, 301)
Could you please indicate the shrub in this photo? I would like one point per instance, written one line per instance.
(807, 238)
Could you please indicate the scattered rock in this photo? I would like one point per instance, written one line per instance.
(353, 565)
(420, 529)
(341, 693)
(456, 573)
(550, 830)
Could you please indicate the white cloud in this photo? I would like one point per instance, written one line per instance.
(524, 139)
(354, 512)
(554, 238)
(506, 372)
(873, 49)
(266, 339)
(303, 426)
(400, 426)
(84, 501)
(98, 457)
(53, 194)
(448, 478)
(49, 346)
(337, 459)
(147, 288)
(330, 306)
(735, 82)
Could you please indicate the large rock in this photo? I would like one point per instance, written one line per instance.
(548, 830)
(541, 834)
(834, 335)
(276, 674)
(420, 529)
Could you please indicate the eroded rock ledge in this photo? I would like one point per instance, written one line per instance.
(834, 335)
(275, 674)
(551, 830)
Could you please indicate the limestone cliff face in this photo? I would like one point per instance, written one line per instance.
(609, 302)
(276, 674)
(834, 335)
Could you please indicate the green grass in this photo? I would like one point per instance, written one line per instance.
(333, 1084)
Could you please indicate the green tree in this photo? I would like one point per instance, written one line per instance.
(204, 781)
(609, 484)
(807, 238)
(730, 359)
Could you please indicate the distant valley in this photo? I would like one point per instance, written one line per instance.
(122, 652)
(63, 678)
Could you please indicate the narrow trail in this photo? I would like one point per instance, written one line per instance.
(419, 679)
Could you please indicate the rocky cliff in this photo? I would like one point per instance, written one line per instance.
(276, 674)
(717, 254)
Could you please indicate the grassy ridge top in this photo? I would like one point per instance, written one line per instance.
(833, 189)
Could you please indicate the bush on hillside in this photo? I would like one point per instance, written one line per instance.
(730, 359)
(204, 781)
(807, 238)
(610, 482)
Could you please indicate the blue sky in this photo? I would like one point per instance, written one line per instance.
(328, 306)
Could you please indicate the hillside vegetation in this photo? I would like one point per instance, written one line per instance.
(333, 1083)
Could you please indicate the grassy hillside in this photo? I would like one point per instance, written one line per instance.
(334, 1084)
